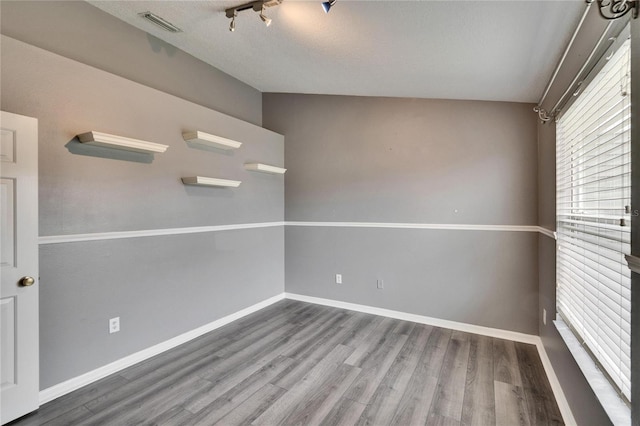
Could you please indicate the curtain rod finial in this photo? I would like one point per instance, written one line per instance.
(542, 114)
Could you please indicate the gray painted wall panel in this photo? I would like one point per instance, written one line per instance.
(160, 287)
(83, 192)
(547, 176)
(474, 277)
(82, 32)
(412, 160)
(406, 160)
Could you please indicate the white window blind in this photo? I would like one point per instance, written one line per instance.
(593, 181)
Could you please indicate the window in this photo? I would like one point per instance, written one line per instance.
(593, 181)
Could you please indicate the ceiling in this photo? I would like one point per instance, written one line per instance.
(477, 50)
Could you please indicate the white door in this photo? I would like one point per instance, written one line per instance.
(19, 375)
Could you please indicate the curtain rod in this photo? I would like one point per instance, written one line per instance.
(584, 66)
(564, 55)
(543, 115)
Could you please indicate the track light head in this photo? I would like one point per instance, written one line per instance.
(327, 5)
(232, 25)
(265, 19)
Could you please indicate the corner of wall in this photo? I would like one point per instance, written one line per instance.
(81, 31)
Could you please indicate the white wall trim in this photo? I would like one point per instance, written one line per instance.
(421, 319)
(633, 262)
(70, 385)
(563, 404)
(445, 226)
(98, 236)
(548, 232)
(561, 399)
(73, 238)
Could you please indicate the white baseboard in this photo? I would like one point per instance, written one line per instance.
(421, 319)
(563, 404)
(70, 385)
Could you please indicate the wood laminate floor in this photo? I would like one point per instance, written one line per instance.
(295, 363)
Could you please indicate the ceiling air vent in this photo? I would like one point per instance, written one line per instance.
(162, 23)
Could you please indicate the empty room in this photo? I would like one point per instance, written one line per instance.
(292, 212)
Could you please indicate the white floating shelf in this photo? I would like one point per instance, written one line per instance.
(120, 142)
(208, 181)
(202, 138)
(265, 168)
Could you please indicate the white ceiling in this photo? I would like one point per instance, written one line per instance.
(480, 50)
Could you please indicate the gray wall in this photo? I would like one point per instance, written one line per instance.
(82, 32)
(585, 407)
(151, 282)
(466, 276)
(409, 160)
(160, 287)
(406, 160)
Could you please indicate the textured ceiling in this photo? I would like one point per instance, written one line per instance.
(480, 50)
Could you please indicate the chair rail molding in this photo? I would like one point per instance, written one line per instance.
(633, 262)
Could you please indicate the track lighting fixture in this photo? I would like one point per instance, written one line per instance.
(159, 21)
(232, 25)
(326, 5)
(267, 21)
(258, 6)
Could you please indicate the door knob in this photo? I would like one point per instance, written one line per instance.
(26, 281)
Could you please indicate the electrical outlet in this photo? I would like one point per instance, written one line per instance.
(114, 325)
(380, 284)
(338, 278)
(544, 316)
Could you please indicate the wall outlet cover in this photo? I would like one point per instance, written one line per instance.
(380, 284)
(338, 278)
(114, 325)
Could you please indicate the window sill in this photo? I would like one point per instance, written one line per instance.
(618, 412)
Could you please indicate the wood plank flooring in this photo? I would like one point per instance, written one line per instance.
(295, 363)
